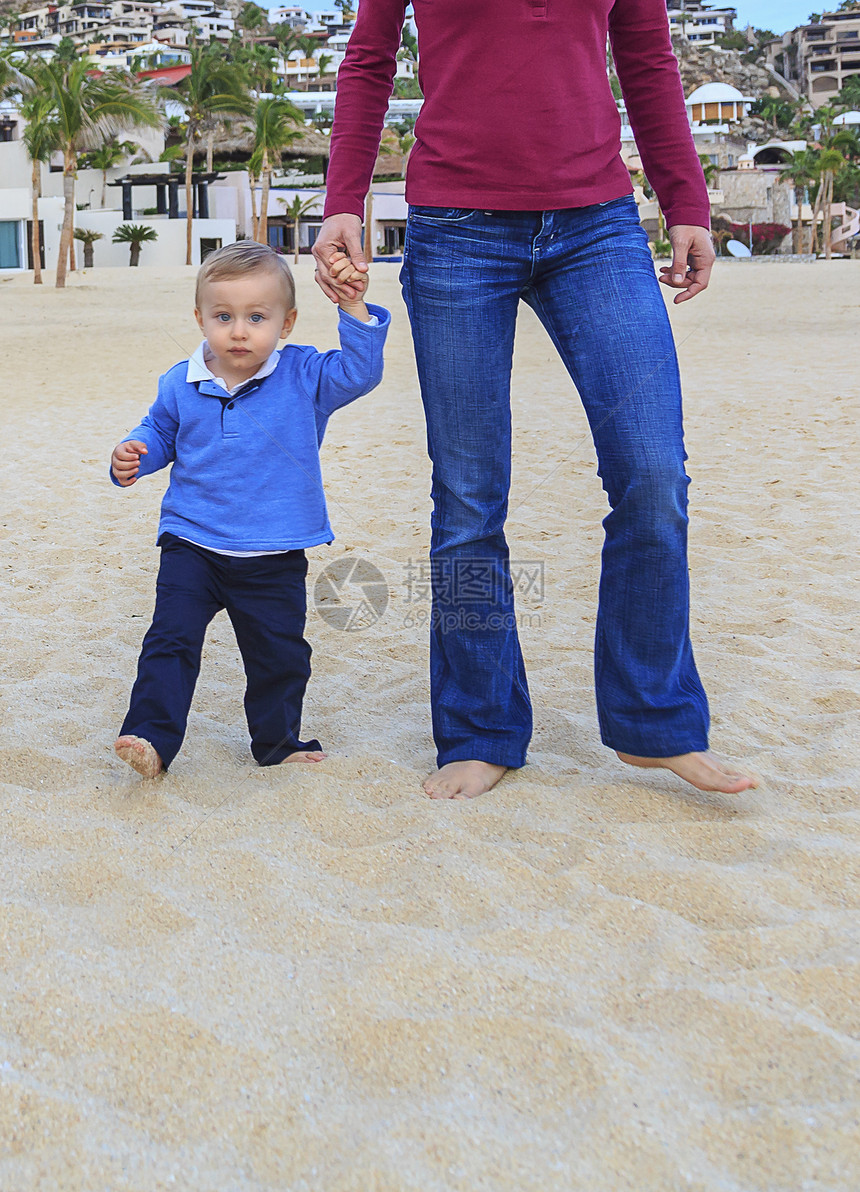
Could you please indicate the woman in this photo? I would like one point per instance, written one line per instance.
(517, 191)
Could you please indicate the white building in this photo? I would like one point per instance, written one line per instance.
(305, 20)
(120, 24)
(148, 56)
(16, 212)
(296, 18)
(700, 23)
(173, 22)
(717, 104)
(321, 103)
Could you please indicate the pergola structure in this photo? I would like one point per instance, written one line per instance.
(167, 188)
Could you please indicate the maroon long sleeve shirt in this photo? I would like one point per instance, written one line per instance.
(518, 111)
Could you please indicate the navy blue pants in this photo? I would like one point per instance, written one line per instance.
(266, 602)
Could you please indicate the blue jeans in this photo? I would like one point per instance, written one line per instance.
(588, 275)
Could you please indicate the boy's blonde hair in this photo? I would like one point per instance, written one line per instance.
(245, 256)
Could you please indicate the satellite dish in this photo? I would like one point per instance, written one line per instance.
(737, 248)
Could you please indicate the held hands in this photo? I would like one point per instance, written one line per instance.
(346, 279)
(345, 275)
(693, 259)
(125, 461)
(340, 234)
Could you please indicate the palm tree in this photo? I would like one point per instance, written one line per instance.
(258, 63)
(850, 93)
(825, 116)
(41, 137)
(408, 51)
(134, 235)
(801, 173)
(274, 128)
(828, 163)
(294, 211)
(837, 150)
(85, 109)
(286, 40)
(213, 86)
(779, 112)
(323, 63)
(105, 158)
(709, 168)
(88, 237)
(251, 19)
(719, 237)
(308, 46)
(10, 75)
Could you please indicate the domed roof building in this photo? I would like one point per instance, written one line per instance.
(717, 103)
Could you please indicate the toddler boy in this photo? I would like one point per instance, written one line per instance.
(241, 423)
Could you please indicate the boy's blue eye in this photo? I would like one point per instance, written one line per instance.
(256, 318)
(223, 318)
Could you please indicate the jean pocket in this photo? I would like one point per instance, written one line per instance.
(441, 215)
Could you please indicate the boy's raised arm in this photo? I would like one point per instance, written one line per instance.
(339, 377)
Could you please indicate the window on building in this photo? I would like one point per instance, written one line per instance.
(10, 244)
(208, 244)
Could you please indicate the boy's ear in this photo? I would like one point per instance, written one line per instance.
(199, 318)
(289, 323)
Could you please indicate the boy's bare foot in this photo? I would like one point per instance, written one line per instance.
(305, 755)
(703, 770)
(463, 780)
(140, 755)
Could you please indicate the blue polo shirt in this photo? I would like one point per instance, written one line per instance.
(245, 470)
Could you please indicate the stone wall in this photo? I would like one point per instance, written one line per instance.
(755, 195)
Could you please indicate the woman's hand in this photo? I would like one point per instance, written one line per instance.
(693, 259)
(339, 233)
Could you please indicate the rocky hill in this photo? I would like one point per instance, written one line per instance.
(705, 64)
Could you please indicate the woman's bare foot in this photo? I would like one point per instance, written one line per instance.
(463, 780)
(305, 755)
(703, 770)
(140, 755)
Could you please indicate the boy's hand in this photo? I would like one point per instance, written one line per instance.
(344, 273)
(345, 280)
(125, 461)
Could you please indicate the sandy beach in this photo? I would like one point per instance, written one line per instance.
(315, 979)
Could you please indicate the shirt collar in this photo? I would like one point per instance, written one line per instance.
(198, 368)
